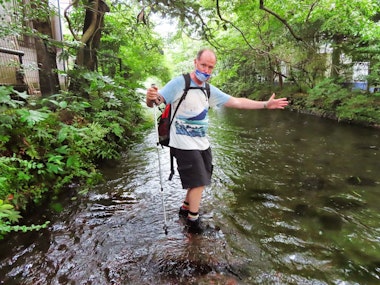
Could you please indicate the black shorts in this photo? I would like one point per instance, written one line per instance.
(194, 167)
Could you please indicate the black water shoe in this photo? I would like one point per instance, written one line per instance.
(183, 213)
(194, 227)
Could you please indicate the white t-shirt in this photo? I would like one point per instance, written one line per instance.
(189, 127)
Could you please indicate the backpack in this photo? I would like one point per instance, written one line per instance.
(165, 120)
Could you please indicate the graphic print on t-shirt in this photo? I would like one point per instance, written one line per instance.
(192, 119)
(195, 126)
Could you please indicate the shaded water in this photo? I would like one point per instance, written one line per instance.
(294, 200)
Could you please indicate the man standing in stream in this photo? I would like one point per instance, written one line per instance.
(188, 140)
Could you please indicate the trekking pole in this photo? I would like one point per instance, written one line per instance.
(159, 164)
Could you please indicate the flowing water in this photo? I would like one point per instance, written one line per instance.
(294, 200)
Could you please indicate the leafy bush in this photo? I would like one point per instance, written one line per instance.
(48, 143)
(330, 99)
(326, 96)
(361, 108)
(8, 216)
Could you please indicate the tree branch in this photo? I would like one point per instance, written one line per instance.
(262, 7)
(232, 24)
(66, 15)
(91, 29)
(258, 51)
(311, 10)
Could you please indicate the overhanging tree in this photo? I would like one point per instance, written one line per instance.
(91, 34)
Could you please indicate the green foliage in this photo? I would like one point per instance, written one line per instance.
(20, 179)
(292, 40)
(7, 212)
(139, 50)
(9, 216)
(40, 153)
(238, 75)
(361, 108)
(114, 107)
(326, 96)
(374, 77)
(47, 143)
(330, 99)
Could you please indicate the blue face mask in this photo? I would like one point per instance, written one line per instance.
(201, 76)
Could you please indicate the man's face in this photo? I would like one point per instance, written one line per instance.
(206, 62)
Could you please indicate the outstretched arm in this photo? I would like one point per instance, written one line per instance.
(245, 103)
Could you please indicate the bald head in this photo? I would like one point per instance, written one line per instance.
(206, 52)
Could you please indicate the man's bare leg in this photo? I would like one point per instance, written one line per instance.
(194, 197)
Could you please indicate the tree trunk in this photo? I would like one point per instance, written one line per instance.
(93, 25)
(46, 55)
(335, 56)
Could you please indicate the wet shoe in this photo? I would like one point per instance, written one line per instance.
(194, 227)
(183, 213)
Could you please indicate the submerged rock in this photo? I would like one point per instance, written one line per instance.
(362, 181)
(346, 202)
(313, 183)
(330, 221)
(303, 210)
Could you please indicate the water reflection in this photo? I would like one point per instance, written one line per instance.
(295, 191)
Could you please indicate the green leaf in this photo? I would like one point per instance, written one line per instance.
(23, 94)
(62, 135)
(7, 212)
(31, 116)
(5, 207)
(62, 149)
(62, 104)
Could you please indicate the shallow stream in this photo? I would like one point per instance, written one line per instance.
(294, 200)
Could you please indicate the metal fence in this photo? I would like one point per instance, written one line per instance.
(18, 65)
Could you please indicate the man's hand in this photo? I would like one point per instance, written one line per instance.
(153, 97)
(279, 103)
